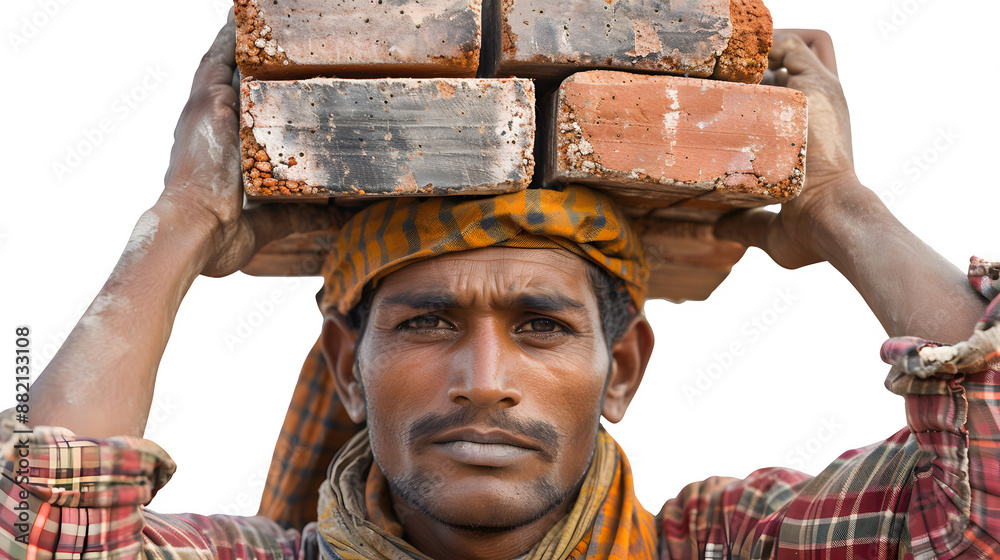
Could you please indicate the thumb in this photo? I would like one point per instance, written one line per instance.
(749, 227)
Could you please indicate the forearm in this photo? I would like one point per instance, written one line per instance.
(101, 381)
(912, 289)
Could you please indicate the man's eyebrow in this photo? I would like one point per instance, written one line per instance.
(547, 302)
(423, 300)
(439, 300)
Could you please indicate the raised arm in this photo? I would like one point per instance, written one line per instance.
(100, 383)
(911, 288)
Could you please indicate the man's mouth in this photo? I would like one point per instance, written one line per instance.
(493, 448)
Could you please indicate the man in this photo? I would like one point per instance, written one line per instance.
(481, 364)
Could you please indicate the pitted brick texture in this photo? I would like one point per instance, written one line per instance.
(658, 140)
(290, 39)
(724, 39)
(364, 138)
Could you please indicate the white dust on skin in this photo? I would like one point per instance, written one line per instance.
(142, 237)
(102, 346)
(217, 153)
(98, 338)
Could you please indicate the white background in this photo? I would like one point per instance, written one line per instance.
(804, 390)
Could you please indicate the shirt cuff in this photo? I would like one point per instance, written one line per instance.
(57, 467)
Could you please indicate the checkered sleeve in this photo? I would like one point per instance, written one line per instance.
(72, 497)
(930, 491)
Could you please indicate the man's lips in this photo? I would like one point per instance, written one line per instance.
(492, 448)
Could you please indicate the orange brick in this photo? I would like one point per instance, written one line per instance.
(320, 138)
(723, 39)
(658, 140)
(288, 39)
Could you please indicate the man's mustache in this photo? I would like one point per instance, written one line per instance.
(538, 431)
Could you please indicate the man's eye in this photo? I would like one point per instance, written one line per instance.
(425, 322)
(541, 325)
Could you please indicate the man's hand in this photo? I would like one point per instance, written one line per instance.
(910, 288)
(101, 381)
(804, 60)
(203, 181)
(204, 185)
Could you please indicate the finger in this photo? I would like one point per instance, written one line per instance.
(749, 227)
(235, 255)
(821, 43)
(768, 79)
(780, 77)
(219, 63)
(792, 53)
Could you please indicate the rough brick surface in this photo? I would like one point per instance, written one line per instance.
(288, 39)
(745, 57)
(356, 138)
(655, 141)
(724, 39)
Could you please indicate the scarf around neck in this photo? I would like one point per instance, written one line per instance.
(356, 520)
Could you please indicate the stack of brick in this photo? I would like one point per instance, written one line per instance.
(654, 102)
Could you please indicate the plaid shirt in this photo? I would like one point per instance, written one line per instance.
(931, 490)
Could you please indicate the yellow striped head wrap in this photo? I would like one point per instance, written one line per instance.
(391, 234)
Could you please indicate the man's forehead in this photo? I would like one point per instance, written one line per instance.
(538, 278)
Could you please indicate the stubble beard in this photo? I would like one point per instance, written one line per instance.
(421, 490)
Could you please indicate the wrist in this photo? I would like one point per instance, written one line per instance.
(184, 235)
(847, 214)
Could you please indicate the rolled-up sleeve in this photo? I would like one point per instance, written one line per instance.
(932, 490)
(71, 497)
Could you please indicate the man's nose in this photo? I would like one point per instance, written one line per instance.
(484, 368)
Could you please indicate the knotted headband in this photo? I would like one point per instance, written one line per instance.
(389, 235)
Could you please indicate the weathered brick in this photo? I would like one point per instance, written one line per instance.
(724, 39)
(358, 138)
(287, 39)
(655, 141)
(686, 262)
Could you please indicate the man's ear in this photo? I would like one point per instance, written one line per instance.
(629, 357)
(337, 342)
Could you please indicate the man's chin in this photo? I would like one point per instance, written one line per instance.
(478, 506)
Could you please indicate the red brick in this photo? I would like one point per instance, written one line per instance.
(658, 140)
(363, 138)
(287, 39)
(723, 39)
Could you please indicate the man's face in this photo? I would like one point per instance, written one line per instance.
(483, 373)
